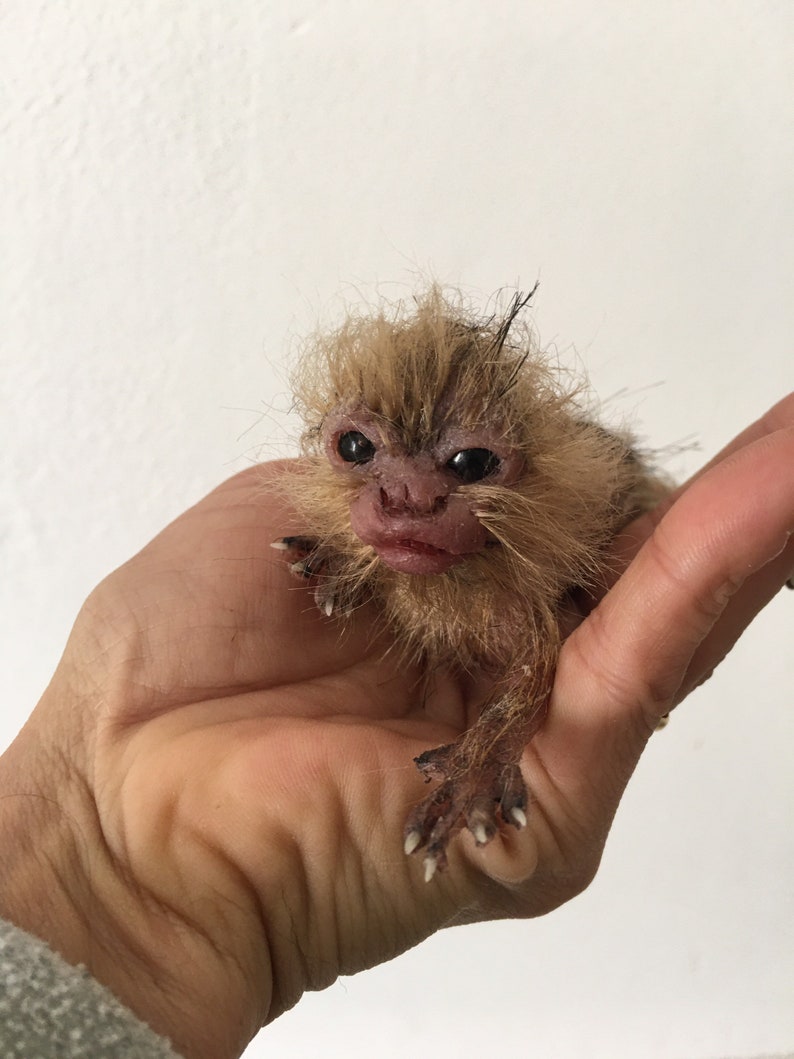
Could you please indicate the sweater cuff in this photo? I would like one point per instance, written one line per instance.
(50, 1008)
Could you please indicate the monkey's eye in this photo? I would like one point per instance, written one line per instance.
(472, 465)
(354, 447)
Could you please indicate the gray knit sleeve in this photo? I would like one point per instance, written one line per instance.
(51, 1010)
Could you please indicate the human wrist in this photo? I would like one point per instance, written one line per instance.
(58, 881)
(40, 869)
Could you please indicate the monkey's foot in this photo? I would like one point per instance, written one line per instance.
(309, 560)
(476, 797)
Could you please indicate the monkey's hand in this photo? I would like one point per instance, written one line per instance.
(308, 560)
(481, 781)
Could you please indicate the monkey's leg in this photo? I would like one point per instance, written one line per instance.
(481, 781)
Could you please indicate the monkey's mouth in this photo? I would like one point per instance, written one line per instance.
(416, 557)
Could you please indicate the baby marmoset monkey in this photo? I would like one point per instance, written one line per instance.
(453, 479)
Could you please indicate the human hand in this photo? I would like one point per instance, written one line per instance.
(210, 796)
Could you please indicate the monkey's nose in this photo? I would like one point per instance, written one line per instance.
(414, 495)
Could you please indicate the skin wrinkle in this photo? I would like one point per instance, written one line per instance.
(193, 928)
(90, 858)
(305, 929)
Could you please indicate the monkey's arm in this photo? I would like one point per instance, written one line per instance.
(309, 560)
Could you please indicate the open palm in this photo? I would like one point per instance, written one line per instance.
(243, 764)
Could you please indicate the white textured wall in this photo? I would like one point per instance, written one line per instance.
(185, 185)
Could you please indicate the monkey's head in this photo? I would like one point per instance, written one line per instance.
(444, 444)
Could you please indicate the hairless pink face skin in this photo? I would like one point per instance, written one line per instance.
(413, 508)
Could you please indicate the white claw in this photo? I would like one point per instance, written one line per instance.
(280, 546)
(480, 834)
(519, 817)
(412, 841)
(430, 868)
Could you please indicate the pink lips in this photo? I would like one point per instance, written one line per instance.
(416, 557)
(416, 542)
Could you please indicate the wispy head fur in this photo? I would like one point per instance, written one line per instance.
(416, 364)
(420, 369)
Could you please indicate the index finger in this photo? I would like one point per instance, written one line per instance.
(622, 669)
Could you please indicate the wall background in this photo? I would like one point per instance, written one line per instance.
(185, 187)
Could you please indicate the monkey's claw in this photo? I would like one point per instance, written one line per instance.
(309, 560)
(478, 797)
(302, 554)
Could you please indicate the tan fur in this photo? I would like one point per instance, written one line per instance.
(431, 366)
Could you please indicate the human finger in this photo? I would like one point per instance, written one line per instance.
(628, 663)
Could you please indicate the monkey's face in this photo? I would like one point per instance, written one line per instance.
(410, 503)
